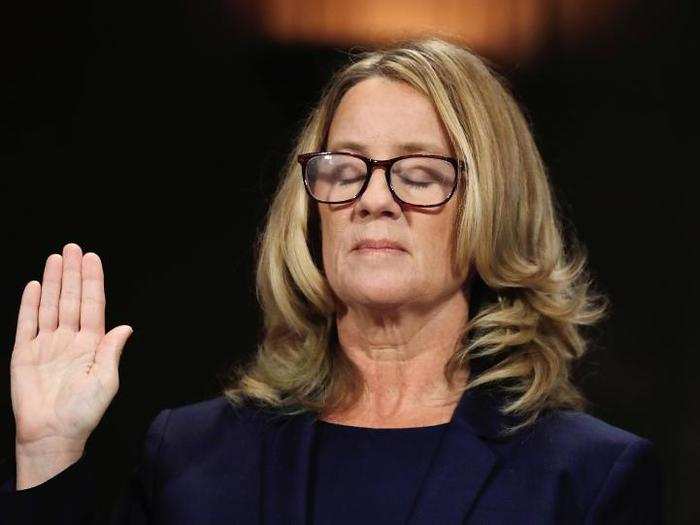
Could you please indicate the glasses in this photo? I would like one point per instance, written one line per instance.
(418, 180)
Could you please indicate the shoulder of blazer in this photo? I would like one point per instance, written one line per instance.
(610, 468)
(212, 419)
(204, 432)
(583, 433)
(582, 449)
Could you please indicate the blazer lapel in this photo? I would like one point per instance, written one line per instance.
(462, 462)
(286, 465)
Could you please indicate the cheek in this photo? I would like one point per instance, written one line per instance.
(331, 242)
(433, 242)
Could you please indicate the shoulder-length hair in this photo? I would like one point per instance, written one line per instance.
(508, 237)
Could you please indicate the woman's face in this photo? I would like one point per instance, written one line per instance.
(382, 118)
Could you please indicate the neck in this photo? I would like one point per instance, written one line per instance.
(401, 356)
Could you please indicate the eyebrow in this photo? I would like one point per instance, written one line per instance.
(404, 148)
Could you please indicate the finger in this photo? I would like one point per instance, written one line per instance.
(92, 304)
(109, 350)
(71, 284)
(28, 317)
(50, 292)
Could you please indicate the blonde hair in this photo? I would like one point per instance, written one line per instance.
(508, 239)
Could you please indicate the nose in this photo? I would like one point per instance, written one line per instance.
(377, 199)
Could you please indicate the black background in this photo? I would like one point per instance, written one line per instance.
(152, 134)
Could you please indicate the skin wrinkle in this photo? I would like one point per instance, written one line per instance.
(401, 314)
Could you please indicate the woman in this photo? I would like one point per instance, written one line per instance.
(422, 314)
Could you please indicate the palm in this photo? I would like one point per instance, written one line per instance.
(64, 377)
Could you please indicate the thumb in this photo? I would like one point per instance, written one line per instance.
(109, 350)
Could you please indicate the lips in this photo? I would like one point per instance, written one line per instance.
(378, 244)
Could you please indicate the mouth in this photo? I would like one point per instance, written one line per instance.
(379, 250)
(379, 246)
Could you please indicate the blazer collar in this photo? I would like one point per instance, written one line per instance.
(459, 468)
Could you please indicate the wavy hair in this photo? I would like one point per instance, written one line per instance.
(534, 290)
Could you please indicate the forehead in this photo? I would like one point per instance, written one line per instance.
(383, 114)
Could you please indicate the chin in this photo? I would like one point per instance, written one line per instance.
(381, 295)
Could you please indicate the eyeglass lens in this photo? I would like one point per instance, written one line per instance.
(421, 181)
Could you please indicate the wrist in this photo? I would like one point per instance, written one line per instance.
(49, 446)
(39, 462)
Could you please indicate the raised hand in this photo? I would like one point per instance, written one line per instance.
(64, 368)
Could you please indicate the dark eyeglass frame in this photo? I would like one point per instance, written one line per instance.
(459, 166)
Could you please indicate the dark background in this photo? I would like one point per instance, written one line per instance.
(152, 133)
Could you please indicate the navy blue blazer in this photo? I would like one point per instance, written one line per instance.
(210, 463)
